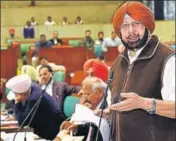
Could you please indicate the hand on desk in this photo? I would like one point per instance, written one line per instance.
(65, 130)
(10, 118)
(69, 127)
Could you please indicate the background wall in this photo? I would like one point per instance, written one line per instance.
(90, 11)
(14, 14)
(165, 30)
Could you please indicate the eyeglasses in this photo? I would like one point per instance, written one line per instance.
(134, 25)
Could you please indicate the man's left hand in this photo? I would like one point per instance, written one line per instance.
(132, 101)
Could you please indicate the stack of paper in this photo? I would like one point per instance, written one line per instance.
(19, 137)
(73, 138)
(5, 123)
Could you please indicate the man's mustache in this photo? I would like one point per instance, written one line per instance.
(132, 36)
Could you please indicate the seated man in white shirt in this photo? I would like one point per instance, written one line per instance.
(49, 21)
(33, 21)
(113, 41)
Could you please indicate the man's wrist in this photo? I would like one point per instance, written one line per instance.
(146, 103)
(149, 105)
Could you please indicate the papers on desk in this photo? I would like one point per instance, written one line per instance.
(4, 123)
(20, 136)
(73, 138)
(84, 115)
(3, 117)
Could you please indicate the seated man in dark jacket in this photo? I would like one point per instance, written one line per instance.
(43, 43)
(83, 121)
(58, 90)
(88, 42)
(56, 40)
(47, 119)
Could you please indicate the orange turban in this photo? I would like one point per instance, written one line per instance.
(11, 30)
(99, 69)
(136, 10)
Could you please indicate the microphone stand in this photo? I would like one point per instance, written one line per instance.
(104, 101)
(34, 108)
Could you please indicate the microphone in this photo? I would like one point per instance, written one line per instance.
(104, 100)
(34, 110)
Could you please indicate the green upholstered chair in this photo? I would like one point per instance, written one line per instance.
(59, 76)
(69, 105)
(75, 43)
(7, 90)
(24, 48)
(9, 42)
(97, 50)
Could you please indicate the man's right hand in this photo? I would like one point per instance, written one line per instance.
(70, 127)
(105, 113)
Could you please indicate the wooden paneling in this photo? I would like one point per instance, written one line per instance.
(9, 59)
(111, 54)
(72, 58)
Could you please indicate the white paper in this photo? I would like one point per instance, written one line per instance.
(19, 137)
(73, 138)
(85, 115)
(10, 122)
(3, 117)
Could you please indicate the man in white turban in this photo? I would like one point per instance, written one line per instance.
(47, 119)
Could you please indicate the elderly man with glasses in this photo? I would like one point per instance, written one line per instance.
(83, 121)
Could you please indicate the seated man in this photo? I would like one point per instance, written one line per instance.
(56, 40)
(49, 21)
(113, 41)
(28, 30)
(44, 61)
(58, 90)
(88, 42)
(100, 39)
(78, 20)
(65, 21)
(100, 70)
(43, 43)
(47, 118)
(83, 122)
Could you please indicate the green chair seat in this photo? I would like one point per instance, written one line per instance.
(59, 76)
(9, 42)
(7, 90)
(75, 43)
(24, 48)
(69, 105)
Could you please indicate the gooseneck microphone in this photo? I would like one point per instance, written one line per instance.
(34, 110)
(103, 106)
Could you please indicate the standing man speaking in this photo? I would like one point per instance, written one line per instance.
(143, 87)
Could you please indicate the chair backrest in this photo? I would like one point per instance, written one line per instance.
(7, 90)
(97, 50)
(69, 105)
(24, 48)
(77, 78)
(75, 43)
(59, 76)
(9, 42)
